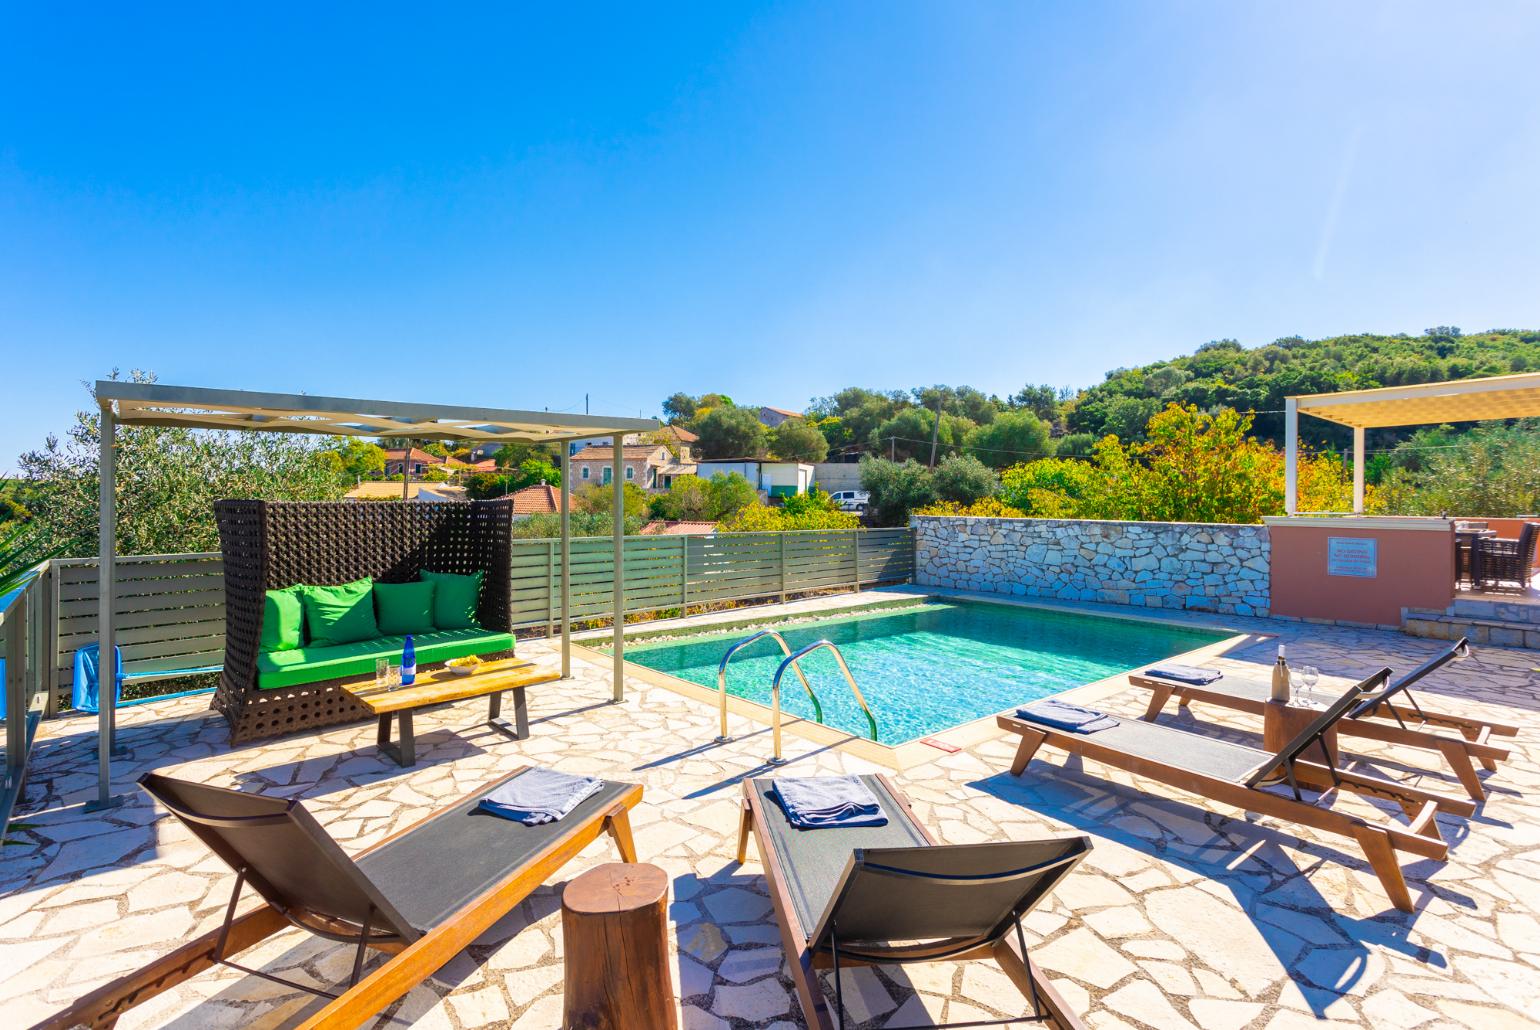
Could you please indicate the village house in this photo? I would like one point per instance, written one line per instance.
(421, 461)
(772, 417)
(652, 467)
(540, 499)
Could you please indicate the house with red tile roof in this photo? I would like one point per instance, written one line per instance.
(681, 528)
(650, 466)
(772, 417)
(540, 499)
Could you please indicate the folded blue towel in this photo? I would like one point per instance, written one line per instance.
(1185, 674)
(814, 802)
(540, 796)
(1065, 716)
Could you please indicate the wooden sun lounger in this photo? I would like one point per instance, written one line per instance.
(421, 895)
(833, 892)
(1239, 776)
(1376, 717)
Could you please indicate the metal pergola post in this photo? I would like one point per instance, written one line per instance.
(1290, 456)
(1358, 470)
(106, 583)
(566, 560)
(619, 482)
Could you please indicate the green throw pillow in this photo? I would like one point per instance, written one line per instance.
(404, 607)
(340, 614)
(283, 620)
(454, 599)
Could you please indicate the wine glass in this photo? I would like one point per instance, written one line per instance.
(1309, 676)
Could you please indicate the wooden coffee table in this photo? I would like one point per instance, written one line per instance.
(440, 686)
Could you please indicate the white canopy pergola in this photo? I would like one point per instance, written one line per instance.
(151, 404)
(1460, 400)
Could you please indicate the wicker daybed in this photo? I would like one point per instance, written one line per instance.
(271, 545)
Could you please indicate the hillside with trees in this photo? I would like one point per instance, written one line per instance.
(1223, 374)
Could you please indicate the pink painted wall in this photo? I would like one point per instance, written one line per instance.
(1415, 569)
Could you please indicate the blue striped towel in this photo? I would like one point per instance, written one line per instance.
(1065, 716)
(540, 796)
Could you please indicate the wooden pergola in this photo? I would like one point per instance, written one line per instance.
(151, 404)
(1460, 400)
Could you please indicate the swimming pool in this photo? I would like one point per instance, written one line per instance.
(927, 667)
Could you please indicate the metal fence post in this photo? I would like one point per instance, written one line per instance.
(15, 670)
(855, 551)
(50, 654)
(550, 588)
(684, 574)
(783, 566)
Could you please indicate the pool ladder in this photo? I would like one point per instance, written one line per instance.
(790, 662)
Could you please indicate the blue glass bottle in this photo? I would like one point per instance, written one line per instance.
(408, 662)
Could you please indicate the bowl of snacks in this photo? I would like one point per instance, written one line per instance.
(467, 666)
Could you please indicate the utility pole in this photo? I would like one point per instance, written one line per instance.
(892, 448)
(935, 431)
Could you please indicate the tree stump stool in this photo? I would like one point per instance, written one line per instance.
(614, 924)
(1281, 723)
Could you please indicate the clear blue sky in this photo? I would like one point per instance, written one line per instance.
(505, 208)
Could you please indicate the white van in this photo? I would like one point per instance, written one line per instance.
(851, 500)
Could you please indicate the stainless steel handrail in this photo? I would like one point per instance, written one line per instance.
(723, 738)
(775, 693)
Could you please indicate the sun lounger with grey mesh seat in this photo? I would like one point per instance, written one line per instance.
(1251, 779)
(421, 895)
(834, 888)
(1391, 715)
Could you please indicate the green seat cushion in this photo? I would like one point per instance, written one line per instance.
(404, 607)
(454, 599)
(339, 614)
(312, 663)
(283, 620)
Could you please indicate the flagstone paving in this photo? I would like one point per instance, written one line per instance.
(1181, 917)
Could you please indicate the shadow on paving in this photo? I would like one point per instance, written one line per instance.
(1324, 952)
(735, 943)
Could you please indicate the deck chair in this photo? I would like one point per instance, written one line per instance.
(1376, 716)
(833, 891)
(1241, 776)
(421, 895)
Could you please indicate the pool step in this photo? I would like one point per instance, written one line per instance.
(1493, 623)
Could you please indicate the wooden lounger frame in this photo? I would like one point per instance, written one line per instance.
(804, 962)
(1379, 841)
(1460, 752)
(406, 968)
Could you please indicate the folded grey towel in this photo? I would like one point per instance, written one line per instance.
(538, 796)
(1065, 716)
(1193, 674)
(812, 802)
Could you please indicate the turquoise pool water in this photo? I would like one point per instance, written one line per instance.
(930, 667)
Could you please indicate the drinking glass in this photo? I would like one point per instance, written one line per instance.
(382, 672)
(393, 679)
(1309, 676)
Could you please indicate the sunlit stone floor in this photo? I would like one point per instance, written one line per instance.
(1179, 918)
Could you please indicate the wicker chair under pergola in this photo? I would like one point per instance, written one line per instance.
(269, 545)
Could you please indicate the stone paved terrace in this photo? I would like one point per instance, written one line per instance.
(1179, 918)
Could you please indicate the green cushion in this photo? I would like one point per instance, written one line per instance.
(312, 664)
(283, 620)
(339, 614)
(404, 607)
(454, 600)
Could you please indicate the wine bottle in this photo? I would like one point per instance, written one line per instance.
(1281, 678)
(408, 662)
